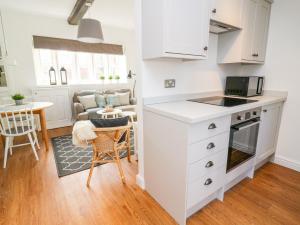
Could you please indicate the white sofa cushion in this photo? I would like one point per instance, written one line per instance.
(124, 98)
(88, 101)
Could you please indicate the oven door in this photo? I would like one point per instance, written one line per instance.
(242, 143)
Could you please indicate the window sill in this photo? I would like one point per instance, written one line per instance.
(83, 84)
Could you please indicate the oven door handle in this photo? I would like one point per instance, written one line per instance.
(247, 126)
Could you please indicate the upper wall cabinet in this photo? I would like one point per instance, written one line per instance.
(249, 44)
(175, 29)
(228, 12)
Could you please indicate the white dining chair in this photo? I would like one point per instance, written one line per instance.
(18, 121)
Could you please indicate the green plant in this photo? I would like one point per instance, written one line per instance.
(17, 97)
(110, 77)
(102, 77)
(117, 77)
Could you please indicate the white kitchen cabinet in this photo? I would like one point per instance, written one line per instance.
(59, 115)
(261, 30)
(268, 131)
(249, 44)
(227, 11)
(185, 168)
(175, 29)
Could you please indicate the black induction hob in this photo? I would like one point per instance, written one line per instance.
(222, 101)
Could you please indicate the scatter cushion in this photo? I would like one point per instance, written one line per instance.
(118, 122)
(88, 101)
(113, 100)
(100, 100)
(124, 98)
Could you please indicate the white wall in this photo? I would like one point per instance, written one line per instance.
(191, 76)
(19, 28)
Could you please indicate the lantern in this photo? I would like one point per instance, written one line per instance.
(63, 76)
(52, 76)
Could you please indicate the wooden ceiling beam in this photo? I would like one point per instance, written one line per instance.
(80, 8)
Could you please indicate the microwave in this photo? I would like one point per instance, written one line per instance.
(244, 86)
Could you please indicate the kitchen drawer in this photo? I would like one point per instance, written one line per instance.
(207, 165)
(205, 186)
(208, 147)
(208, 129)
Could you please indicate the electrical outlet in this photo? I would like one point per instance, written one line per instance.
(170, 83)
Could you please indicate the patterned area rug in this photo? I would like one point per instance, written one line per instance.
(72, 159)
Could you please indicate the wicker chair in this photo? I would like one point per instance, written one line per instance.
(107, 146)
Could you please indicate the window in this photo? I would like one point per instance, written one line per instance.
(82, 67)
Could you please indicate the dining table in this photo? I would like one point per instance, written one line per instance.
(38, 108)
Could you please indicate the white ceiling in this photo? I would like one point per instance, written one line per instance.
(118, 13)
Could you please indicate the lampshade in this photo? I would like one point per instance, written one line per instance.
(90, 31)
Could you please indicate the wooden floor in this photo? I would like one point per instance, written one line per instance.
(32, 193)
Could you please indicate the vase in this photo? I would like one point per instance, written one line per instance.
(19, 102)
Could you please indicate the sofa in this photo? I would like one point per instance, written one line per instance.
(82, 111)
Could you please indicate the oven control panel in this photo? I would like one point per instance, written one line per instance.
(245, 115)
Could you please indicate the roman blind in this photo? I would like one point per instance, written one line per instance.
(77, 46)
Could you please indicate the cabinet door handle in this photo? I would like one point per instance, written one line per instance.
(212, 126)
(214, 11)
(205, 48)
(209, 164)
(208, 181)
(210, 146)
(255, 54)
(265, 110)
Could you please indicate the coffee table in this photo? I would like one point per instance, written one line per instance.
(130, 114)
(114, 114)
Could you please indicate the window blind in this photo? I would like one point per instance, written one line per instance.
(74, 45)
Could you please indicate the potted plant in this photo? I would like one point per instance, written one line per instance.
(117, 78)
(102, 78)
(18, 98)
(110, 77)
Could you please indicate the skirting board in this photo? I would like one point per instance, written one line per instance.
(140, 181)
(280, 160)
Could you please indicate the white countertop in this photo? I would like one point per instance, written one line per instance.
(192, 112)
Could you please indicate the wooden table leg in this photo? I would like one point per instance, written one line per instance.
(44, 128)
(2, 142)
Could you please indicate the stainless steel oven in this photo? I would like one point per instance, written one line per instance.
(243, 137)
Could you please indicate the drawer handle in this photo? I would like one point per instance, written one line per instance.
(208, 182)
(209, 164)
(210, 146)
(212, 126)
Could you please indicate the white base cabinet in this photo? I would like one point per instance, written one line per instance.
(268, 131)
(59, 115)
(185, 164)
